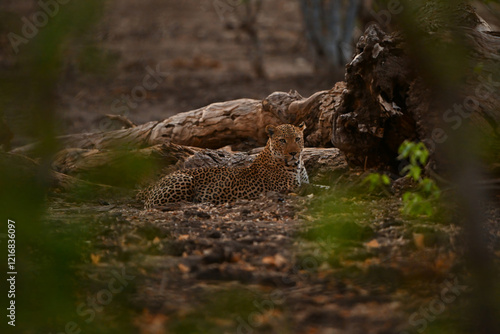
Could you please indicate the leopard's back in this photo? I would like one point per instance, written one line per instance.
(278, 167)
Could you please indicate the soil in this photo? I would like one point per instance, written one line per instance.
(330, 262)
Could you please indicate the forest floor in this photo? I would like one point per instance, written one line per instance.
(330, 262)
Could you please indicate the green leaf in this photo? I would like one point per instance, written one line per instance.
(404, 149)
(414, 172)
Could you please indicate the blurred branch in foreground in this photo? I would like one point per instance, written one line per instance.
(36, 39)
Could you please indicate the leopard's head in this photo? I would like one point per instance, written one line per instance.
(286, 143)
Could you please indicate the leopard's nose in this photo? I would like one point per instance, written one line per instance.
(293, 154)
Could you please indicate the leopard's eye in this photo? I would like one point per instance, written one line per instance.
(298, 139)
(283, 141)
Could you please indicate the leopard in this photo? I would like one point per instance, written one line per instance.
(279, 167)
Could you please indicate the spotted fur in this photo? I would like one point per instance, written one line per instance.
(278, 167)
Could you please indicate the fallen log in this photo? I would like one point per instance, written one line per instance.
(158, 160)
(28, 169)
(384, 100)
(238, 123)
(213, 126)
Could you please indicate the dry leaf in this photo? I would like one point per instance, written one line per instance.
(182, 267)
(418, 239)
(95, 258)
(371, 261)
(151, 323)
(278, 260)
(321, 299)
(373, 244)
(183, 237)
(444, 262)
(312, 330)
(308, 218)
(236, 257)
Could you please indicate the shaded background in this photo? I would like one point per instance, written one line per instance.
(197, 43)
(200, 44)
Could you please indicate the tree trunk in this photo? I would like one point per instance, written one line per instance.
(387, 101)
(329, 28)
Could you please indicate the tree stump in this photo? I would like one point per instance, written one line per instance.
(388, 100)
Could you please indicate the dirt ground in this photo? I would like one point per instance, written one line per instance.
(330, 262)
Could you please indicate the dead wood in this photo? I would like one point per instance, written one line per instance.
(213, 126)
(115, 122)
(239, 123)
(77, 161)
(29, 169)
(160, 159)
(316, 111)
(387, 100)
(314, 158)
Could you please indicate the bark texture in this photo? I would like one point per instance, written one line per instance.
(373, 119)
(390, 97)
(237, 123)
(213, 126)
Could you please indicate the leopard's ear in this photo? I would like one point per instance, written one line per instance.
(270, 129)
(302, 126)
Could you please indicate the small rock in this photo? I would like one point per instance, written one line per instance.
(215, 235)
(199, 214)
(203, 215)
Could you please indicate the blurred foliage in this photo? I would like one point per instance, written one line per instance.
(341, 225)
(46, 257)
(125, 169)
(425, 199)
(344, 222)
(93, 59)
(377, 181)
